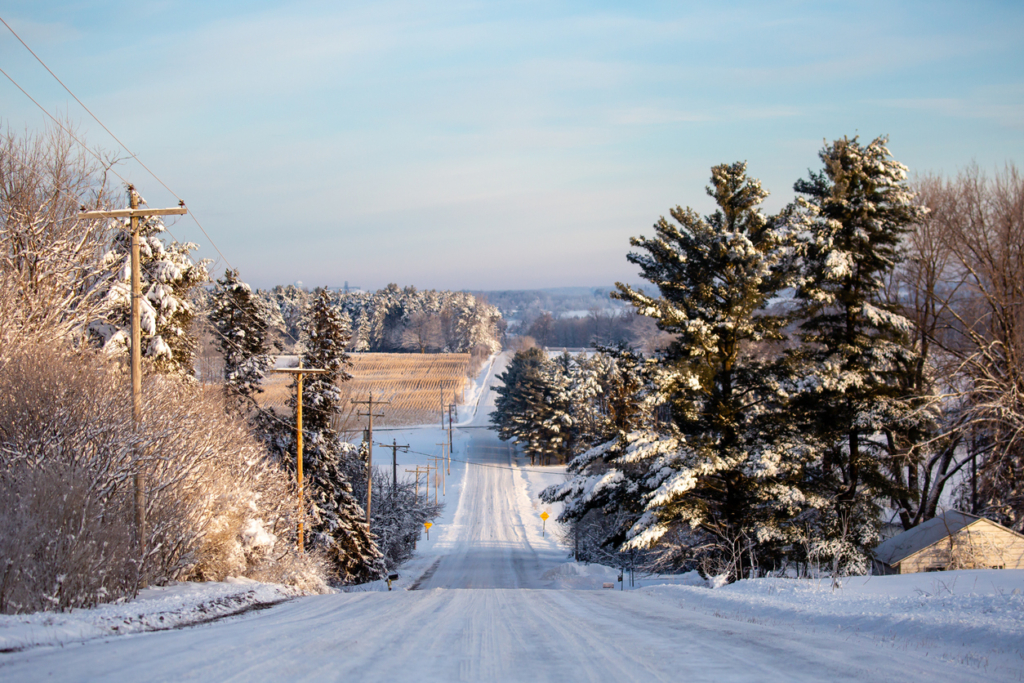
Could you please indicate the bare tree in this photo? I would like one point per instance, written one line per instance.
(964, 286)
(48, 255)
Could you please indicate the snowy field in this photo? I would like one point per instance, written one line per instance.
(532, 614)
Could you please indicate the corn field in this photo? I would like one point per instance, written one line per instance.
(413, 383)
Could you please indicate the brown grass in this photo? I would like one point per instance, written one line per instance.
(412, 382)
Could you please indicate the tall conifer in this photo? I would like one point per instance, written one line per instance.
(851, 217)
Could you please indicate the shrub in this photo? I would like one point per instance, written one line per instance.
(215, 504)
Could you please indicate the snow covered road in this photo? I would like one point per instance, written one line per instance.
(478, 635)
(487, 545)
(480, 613)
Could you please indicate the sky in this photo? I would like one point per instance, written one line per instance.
(499, 145)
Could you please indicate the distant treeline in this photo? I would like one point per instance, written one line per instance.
(395, 319)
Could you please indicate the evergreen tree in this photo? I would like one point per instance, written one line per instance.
(605, 496)
(337, 521)
(241, 320)
(533, 406)
(168, 277)
(851, 216)
(715, 276)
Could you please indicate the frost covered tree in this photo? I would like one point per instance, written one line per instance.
(337, 522)
(241, 320)
(532, 406)
(50, 284)
(324, 337)
(168, 277)
(851, 216)
(713, 472)
(616, 443)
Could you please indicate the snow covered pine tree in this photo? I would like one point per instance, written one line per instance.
(726, 486)
(241, 320)
(851, 218)
(532, 406)
(711, 478)
(338, 523)
(168, 276)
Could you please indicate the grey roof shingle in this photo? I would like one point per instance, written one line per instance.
(923, 535)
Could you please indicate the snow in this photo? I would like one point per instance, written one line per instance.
(155, 609)
(967, 617)
(492, 597)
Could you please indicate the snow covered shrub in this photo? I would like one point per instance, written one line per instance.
(62, 546)
(397, 516)
(49, 284)
(215, 504)
(65, 510)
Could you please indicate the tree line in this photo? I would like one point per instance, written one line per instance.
(398, 319)
(850, 360)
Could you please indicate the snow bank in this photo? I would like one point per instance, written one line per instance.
(579, 576)
(476, 392)
(155, 609)
(973, 617)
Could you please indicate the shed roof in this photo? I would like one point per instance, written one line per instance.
(900, 547)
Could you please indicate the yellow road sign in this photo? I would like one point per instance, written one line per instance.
(427, 524)
(544, 516)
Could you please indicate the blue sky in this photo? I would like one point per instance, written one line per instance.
(490, 145)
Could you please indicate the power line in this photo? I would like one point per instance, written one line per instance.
(62, 127)
(117, 139)
(106, 166)
(482, 464)
(89, 111)
(111, 169)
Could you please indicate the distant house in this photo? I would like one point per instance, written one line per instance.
(953, 540)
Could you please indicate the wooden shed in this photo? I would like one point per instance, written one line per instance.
(952, 540)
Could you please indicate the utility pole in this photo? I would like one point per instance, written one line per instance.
(426, 489)
(369, 448)
(439, 474)
(394, 463)
(299, 372)
(133, 212)
(417, 471)
(451, 430)
(435, 481)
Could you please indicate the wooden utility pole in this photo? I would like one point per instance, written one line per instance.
(369, 447)
(439, 473)
(298, 373)
(417, 471)
(451, 443)
(133, 213)
(394, 463)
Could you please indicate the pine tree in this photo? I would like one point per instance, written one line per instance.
(337, 521)
(851, 215)
(610, 479)
(715, 276)
(241, 320)
(168, 277)
(533, 406)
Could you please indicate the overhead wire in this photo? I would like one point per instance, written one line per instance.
(191, 213)
(109, 132)
(478, 464)
(62, 127)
